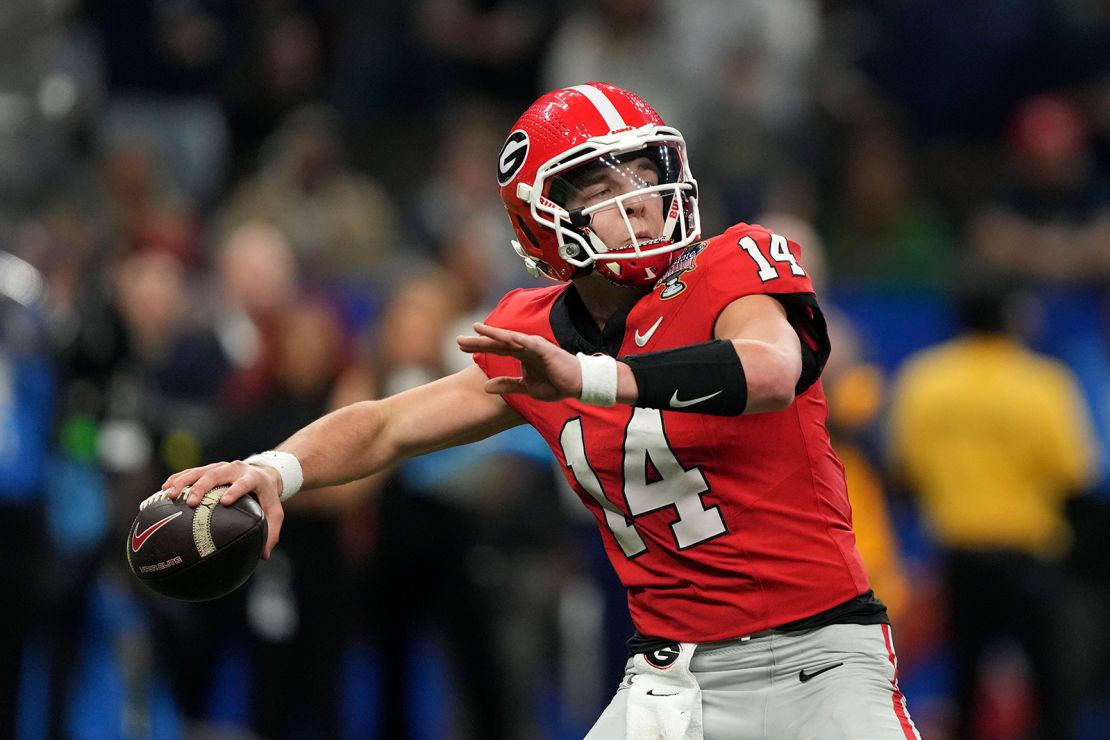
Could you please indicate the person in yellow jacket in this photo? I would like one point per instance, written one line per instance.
(992, 438)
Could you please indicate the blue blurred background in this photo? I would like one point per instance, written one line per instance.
(221, 218)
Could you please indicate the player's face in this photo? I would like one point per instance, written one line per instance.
(644, 211)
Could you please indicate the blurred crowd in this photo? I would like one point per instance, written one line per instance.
(219, 220)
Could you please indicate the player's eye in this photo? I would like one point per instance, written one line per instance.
(596, 194)
(648, 174)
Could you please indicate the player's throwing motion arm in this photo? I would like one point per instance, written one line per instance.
(358, 440)
(365, 437)
(753, 367)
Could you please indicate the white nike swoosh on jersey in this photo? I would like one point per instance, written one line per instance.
(642, 339)
(675, 403)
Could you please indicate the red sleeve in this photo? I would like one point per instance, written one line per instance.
(526, 310)
(747, 260)
(500, 316)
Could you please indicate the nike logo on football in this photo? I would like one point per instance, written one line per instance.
(676, 404)
(651, 692)
(803, 676)
(139, 538)
(642, 339)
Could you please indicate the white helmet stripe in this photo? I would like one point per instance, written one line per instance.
(604, 106)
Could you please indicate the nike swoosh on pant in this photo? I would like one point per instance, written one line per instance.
(803, 676)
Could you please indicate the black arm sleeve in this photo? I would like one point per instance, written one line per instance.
(805, 316)
(705, 378)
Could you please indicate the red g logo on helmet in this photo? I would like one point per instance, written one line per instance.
(547, 170)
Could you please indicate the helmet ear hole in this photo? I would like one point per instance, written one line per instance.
(528, 233)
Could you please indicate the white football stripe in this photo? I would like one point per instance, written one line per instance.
(604, 106)
(202, 522)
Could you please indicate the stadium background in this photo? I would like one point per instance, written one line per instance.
(218, 219)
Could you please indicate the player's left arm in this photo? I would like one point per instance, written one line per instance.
(767, 348)
(752, 366)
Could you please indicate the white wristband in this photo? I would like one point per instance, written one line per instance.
(599, 379)
(288, 467)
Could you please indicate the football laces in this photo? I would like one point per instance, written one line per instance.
(153, 499)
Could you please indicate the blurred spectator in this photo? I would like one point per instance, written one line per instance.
(145, 212)
(68, 535)
(491, 47)
(995, 53)
(26, 405)
(286, 59)
(158, 409)
(50, 75)
(749, 114)
(456, 191)
(483, 512)
(882, 230)
(473, 251)
(1051, 220)
(298, 602)
(163, 65)
(993, 439)
(618, 41)
(143, 365)
(137, 371)
(341, 224)
(767, 52)
(258, 281)
(856, 392)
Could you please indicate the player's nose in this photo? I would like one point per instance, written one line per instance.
(637, 204)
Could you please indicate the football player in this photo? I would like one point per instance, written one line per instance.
(676, 380)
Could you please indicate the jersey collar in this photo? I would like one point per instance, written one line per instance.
(576, 331)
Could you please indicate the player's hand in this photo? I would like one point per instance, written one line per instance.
(549, 372)
(264, 482)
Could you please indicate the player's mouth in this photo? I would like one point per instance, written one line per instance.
(644, 240)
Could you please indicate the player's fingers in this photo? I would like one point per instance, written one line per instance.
(275, 515)
(510, 338)
(173, 484)
(495, 332)
(482, 344)
(238, 488)
(530, 342)
(535, 347)
(504, 384)
(215, 475)
(493, 347)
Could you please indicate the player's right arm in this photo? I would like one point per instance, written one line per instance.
(361, 439)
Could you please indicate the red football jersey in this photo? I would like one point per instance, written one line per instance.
(717, 526)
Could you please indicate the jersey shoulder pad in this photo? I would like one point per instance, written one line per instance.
(748, 259)
(526, 309)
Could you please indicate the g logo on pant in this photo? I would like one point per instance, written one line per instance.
(663, 657)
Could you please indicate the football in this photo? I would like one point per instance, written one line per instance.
(196, 554)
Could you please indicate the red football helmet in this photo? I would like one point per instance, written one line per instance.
(591, 177)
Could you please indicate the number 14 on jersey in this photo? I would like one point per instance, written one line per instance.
(671, 485)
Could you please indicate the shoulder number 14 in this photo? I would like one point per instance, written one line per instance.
(780, 253)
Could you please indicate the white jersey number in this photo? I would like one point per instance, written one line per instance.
(779, 252)
(646, 448)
